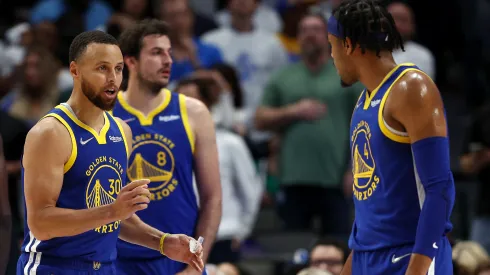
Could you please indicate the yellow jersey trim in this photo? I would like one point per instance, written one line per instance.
(100, 137)
(185, 121)
(148, 119)
(370, 96)
(121, 129)
(387, 132)
(73, 155)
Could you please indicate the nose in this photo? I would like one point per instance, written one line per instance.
(111, 76)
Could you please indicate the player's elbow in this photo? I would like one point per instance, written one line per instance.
(37, 229)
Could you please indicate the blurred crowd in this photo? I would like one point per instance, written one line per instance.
(263, 68)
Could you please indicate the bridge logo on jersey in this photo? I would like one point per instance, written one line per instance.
(363, 164)
(104, 184)
(153, 159)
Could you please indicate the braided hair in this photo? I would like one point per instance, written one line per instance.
(368, 25)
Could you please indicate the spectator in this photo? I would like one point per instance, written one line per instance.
(239, 181)
(468, 256)
(13, 133)
(92, 14)
(129, 12)
(476, 161)
(202, 23)
(414, 52)
(188, 51)
(314, 271)
(328, 255)
(264, 17)
(37, 92)
(314, 147)
(5, 213)
(255, 54)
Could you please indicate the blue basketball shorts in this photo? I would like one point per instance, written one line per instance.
(157, 266)
(394, 261)
(35, 263)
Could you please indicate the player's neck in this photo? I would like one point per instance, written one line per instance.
(373, 70)
(86, 111)
(142, 98)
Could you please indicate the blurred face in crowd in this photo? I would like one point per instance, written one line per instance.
(403, 16)
(242, 8)
(190, 90)
(328, 258)
(32, 71)
(46, 35)
(135, 7)
(99, 72)
(178, 15)
(312, 36)
(154, 62)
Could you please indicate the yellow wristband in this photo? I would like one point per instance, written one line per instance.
(162, 240)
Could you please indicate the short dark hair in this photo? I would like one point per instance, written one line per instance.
(131, 39)
(81, 41)
(368, 25)
(335, 242)
(204, 87)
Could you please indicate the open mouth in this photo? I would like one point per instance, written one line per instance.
(110, 91)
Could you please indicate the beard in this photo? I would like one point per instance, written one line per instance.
(96, 97)
(154, 86)
(344, 84)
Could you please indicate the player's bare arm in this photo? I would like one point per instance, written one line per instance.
(47, 149)
(207, 172)
(416, 106)
(347, 270)
(5, 214)
(134, 230)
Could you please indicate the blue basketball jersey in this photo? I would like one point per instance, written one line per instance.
(163, 147)
(93, 176)
(388, 195)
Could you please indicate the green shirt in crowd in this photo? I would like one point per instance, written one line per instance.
(313, 152)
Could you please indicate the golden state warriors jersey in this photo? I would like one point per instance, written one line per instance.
(386, 197)
(163, 147)
(93, 176)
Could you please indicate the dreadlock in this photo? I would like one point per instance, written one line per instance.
(368, 25)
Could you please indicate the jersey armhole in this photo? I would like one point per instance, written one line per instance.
(185, 121)
(123, 134)
(388, 131)
(73, 155)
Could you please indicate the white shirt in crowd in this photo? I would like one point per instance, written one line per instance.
(417, 54)
(240, 184)
(265, 18)
(256, 55)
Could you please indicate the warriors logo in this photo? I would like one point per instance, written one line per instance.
(104, 185)
(152, 158)
(363, 165)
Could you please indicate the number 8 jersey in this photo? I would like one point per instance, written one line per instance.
(162, 152)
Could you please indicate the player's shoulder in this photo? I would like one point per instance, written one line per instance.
(415, 89)
(48, 130)
(195, 108)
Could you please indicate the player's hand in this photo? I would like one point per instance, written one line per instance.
(189, 270)
(132, 198)
(309, 109)
(176, 247)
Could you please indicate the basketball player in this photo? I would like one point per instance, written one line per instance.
(74, 166)
(173, 136)
(403, 187)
